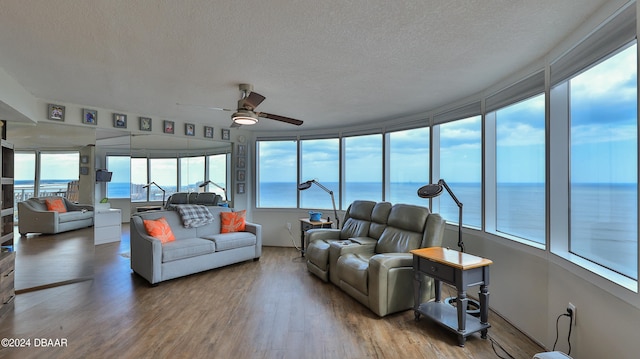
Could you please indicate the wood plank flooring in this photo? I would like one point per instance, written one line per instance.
(272, 308)
(48, 260)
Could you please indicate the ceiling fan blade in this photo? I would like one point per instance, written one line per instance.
(253, 100)
(204, 106)
(280, 118)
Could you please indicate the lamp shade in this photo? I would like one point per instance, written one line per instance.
(430, 190)
(305, 185)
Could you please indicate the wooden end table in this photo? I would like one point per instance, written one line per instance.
(461, 270)
(307, 224)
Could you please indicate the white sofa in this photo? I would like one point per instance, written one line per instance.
(194, 249)
(33, 216)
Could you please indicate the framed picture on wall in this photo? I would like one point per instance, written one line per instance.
(55, 112)
(90, 117)
(189, 129)
(240, 189)
(84, 170)
(241, 162)
(169, 126)
(145, 124)
(242, 150)
(119, 120)
(208, 132)
(226, 134)
(240, 177)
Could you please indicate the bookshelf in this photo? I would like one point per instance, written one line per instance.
(7, 255)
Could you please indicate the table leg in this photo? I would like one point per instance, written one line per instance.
(437, 285)
(417, 290)
(461, 305)
(484, 308)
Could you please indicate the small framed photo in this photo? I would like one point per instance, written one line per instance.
(226, 135)
(189, 129)
(169, 127)
(145, 124)
(119, 120)
(90, 117)
(208, 132)
(84, 159)
(55, 112)
(242, 150)
(241, 176)
(240, 189)
(84, 170)
(241, 162)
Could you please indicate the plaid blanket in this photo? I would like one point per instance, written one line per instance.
(194, 215)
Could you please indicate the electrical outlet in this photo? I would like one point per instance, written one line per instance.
(572, 310)
(288, 225)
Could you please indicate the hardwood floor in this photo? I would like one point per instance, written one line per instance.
(272, 308)
(49, 260)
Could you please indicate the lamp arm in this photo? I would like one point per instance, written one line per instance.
(323, 187)
(335, 213)
(446, 186)
(455, 199)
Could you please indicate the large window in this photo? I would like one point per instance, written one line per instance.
(603, 191)
(320, 160)
(119, 186)
(139, 178)
(408, 165)
(162, 171)
(520, 169)
(277, 177)
(57, 169)
(217, 173)
(25, 176)
(461, 168)
(191, 173)
(362, 168)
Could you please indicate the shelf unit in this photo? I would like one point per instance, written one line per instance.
(7, 255)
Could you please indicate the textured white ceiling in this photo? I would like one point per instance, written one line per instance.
(329, 63)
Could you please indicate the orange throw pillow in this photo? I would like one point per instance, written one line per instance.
(55, 204)
(160, 229)
(233, 221)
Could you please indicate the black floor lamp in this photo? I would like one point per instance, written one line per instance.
(306, 185)
(155, 184)
(224, 190)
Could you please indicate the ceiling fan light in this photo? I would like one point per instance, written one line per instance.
(244, 118)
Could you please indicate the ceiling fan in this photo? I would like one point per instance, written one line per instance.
(245, 114)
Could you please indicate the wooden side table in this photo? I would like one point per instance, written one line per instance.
(461, 270)
(307, 224)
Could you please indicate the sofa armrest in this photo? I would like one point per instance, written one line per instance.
(33, 220)
(146, 252)
(391, 279)
(256, 229)
(317, 234)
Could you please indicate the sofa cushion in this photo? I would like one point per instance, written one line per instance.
(74, 216)
(226, 241)
(160, 229)
(395, 240)
(186, 248)
(379, 217)
(353, 269)
(55, 204)
(233, 221)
